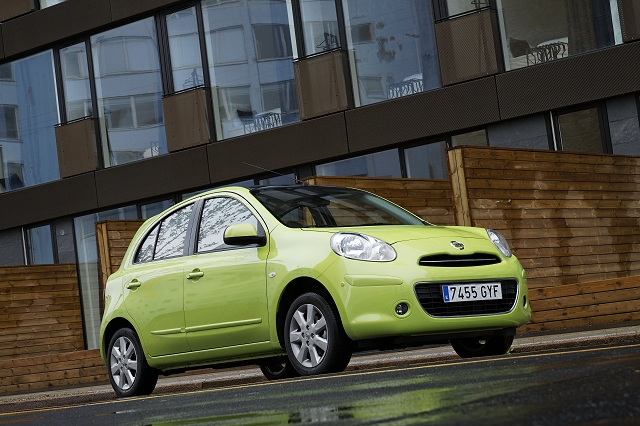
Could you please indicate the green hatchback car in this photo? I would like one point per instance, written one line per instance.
(296, 279)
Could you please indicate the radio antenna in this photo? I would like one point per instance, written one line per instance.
(276, 173)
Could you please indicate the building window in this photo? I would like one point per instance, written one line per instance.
(48, 3)
(272, 42)
(40, 248)
(427, 161)
(126, 62)
(580, 131)
(379, 164)
(228, 46)
(249, 52)
(319, 25)
(88, 273)
(28, 114)
(9, 122)
(393, 48)
(6, 72)
(362, 33)
(546, 30)
(75, 81)
(184, 49)
(475, 138)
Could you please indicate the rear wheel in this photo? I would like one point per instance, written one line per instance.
(314, 338)
(279, 370)
(482, 346)
(129, 373)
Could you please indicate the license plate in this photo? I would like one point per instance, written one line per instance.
(471, 292)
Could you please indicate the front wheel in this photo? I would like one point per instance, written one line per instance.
(129, 373)
(279, 370)
(314, 338)
(482, 346)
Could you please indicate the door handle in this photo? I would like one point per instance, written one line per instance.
(195, 274)
(134, 284)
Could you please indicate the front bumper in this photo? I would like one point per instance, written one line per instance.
(368, 294)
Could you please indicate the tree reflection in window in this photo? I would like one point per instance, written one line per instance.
(217, 215)
(172, 234)
(145, 253)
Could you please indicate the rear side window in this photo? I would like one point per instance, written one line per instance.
(217, 215)
(167, 239)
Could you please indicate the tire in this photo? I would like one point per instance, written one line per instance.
(129, 373)
(314, 338)
(279, 370)
(482, 346)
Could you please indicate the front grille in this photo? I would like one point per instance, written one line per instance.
(453, 260)
(430, 297)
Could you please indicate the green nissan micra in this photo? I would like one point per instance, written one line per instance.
(297, 278)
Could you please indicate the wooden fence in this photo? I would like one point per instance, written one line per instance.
(41, 340)
(569, 218)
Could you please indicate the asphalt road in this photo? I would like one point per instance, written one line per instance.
(587, 386)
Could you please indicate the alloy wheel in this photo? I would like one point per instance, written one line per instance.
(124, 363)
(308, 335)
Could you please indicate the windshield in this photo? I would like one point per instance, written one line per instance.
(322, 206)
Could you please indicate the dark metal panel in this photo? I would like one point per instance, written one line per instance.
(124, 9)
(77, 149)
(565, 82)
(445, 110)
(629, 19)
(53, 24)
(13, 8)
(63, 197)
(156, 176)
(469, 47)
(187, 119)
(288, 146)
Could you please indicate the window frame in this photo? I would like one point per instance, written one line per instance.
(555, 139)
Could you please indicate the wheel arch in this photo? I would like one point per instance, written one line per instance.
(114, 325)
(296, 288)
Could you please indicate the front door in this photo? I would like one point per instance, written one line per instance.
(225, 296)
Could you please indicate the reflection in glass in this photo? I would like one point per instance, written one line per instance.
(28, 114)
(546, 30)
(88, 275)
(129, 90)
(75, 80)
(47, 3)
(379, 164)
(184, 47)
(145, 252)
(217, 215)
(319, 25)
(579, 131)
(456, 7)
(172, 234)
(249, 51)
(475, 138)
(40, 246)
(427, 161)
(392, 48)
(288, 179)
(152, 209)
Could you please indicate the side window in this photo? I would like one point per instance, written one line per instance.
(145, 252)
(172, 234)
(217, 215)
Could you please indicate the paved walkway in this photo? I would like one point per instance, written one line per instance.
(209, 379)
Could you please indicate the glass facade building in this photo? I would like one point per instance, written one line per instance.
(242, 56)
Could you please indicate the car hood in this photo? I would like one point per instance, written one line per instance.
(393, 234)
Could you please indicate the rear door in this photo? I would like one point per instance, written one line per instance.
(154, 285)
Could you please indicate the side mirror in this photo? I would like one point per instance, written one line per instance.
(243, 234)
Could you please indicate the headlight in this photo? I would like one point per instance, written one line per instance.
(362, 247)
(499, 241)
